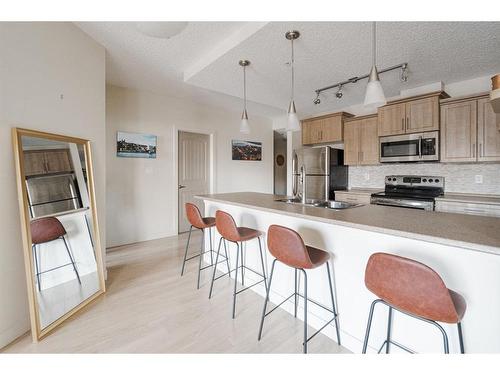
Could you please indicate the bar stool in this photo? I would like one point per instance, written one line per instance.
(287, 246)
(45, 230)
(202, 223)
(228, 230)
(414, 289)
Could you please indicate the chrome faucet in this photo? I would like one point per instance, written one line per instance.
(304, 187)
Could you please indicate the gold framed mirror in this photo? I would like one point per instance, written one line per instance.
(62, 250)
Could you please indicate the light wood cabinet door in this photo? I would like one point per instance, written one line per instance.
(488, 131)
(332, 129)
(351, 142)
(422, 115)
(34, 163)
(58, 161)
(459, 131)
(391, 119)
(312, 132)
(368, 141)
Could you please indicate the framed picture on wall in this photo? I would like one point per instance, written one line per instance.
(246, 150)
(135, 145)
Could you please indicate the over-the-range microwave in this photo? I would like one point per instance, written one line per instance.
(410, 147)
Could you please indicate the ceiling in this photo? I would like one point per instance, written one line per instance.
(201, 63)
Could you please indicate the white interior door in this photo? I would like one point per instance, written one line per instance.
(194, 172)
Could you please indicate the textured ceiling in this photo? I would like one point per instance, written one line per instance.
(202, 62)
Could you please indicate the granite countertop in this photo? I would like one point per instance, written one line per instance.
(470, 198)
(478, 233)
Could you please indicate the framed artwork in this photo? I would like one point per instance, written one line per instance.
(135, 145)
(246, 150)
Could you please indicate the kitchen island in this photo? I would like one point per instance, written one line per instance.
(463, 249)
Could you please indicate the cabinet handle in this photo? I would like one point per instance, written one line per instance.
(481, 150)
(407, 123)
(473, 150)
(402, 124)
(361, 155)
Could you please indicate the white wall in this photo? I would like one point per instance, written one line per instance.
(142, 193)
(40, 62)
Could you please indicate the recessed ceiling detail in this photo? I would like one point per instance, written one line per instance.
(199, 62)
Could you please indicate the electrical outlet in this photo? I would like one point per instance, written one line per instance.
(367, 176)
(478, 179)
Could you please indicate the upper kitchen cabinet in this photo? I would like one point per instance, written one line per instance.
(469, 130)
(488, 131)
(361, 141)
(411, 115)
(38, 162)
(324, 129)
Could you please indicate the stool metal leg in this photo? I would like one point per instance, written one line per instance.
(211, 247)
(242, 264)
(461, 337)
(236, 278)
(368, 327)
(296, 296)
(71, 259)
(186, 252)
(334, 308)
(215, 268)
(202, 248)
(38, 278)
(266, 300)
(389, 326)
(262, 263)
(305, 310)
(227, 257)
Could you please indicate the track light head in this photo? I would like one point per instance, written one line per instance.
(339, 93)
(317, 100)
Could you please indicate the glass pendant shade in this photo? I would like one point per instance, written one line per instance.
(293, 123)
(374, 97)
(244, 126)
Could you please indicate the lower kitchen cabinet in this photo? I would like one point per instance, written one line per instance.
(468, 208)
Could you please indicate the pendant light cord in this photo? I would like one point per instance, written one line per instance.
(374, 34)
(245, 88)
(293, 73)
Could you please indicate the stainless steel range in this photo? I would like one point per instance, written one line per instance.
(416, 192)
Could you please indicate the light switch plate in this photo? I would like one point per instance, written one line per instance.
(478, 179)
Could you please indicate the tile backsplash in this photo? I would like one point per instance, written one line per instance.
(459, 178)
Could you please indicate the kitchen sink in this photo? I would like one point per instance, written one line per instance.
(333, 205)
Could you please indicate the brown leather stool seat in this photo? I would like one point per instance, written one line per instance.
(195, 219)
(228, 230)
(287, 246)
(414, 289)
(43, 230)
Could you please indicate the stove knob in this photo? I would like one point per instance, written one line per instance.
(393, 179)
(436, 180)
(424, 180)
(430, 179)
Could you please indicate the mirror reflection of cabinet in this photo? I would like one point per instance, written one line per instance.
(38, 162)
(62, 253)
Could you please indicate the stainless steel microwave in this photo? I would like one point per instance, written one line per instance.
(410, 147)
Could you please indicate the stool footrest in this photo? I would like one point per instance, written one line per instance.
(281, 303)
(55, 268)
(248, 287)
(319, 330)
(208, 251)
(406, 349)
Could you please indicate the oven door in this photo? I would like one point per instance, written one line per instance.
(409, 147)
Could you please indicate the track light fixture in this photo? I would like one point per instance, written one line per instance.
(339, 92)
(317, 100)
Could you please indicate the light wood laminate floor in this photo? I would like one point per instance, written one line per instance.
(149, 308)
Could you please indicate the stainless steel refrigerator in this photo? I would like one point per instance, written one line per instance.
(48, 195)
(325, 172)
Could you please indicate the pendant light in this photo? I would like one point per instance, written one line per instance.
(293, 122)
(244, 127)
(374, 92)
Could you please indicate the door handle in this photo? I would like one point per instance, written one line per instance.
(182, 186)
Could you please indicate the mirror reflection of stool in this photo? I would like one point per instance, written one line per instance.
(413, 289)
(45, 230)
